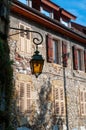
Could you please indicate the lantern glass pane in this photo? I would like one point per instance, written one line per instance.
(37, 68)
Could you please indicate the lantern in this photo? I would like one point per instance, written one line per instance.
(36, 64)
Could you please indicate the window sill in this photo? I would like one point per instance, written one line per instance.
(79, 74)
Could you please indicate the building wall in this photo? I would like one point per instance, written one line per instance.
(52, 75)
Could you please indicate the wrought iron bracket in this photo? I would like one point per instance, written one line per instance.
(36, 40)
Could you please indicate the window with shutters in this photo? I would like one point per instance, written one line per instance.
(53, 50)
(59, 101)
(83, 102)
(27, 96)
(24, 40)
(78, 58)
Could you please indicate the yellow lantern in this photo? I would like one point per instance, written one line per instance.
(36, 64)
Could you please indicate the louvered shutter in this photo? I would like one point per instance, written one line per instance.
(81, 96)
(85, 59)
(75, 58)
(64, 53)
(85, 108)
(62, 104)
(28, 97)
(22, 97)
(49, 48)
(22, 40)
(62, 108)
(82, 102)
(85, 97)
(57, 108)
(85, 102)
(28, 41)
(82, 108)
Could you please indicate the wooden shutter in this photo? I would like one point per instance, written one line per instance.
(61, 94)
(28, 41)
(62, 103)
(57, 108)
(75, 58)
(81, 96)
(82, 108)
(62, 108)
(82, 102)
(28, 97)
(49, 48)
(85, 102)
(85, 97)
(56, 94)
(85, 59)
(64, 53)
(22, 97)
(82, 59)
(85, 108)
(22, 40)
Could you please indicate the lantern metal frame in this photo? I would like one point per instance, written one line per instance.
(36, 58)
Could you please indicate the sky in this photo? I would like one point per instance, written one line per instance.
(76, 7)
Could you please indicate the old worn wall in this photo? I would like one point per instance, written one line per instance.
(74, 80)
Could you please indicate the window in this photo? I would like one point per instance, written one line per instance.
(25, 40)
(56, 51)
(65, 21)
(27, 96)
(78, 58)
(53, 50)
(83, 102)
(46, 12)
(59, 101)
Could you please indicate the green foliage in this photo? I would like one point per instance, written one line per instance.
(6, 75)
(10, 128)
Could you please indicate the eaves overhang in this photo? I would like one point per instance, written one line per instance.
(58, 8)
(34, 15)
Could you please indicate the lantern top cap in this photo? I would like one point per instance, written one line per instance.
(37, 56)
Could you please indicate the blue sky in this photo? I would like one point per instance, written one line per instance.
(76, 7)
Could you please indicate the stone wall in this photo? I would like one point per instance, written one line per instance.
(74, 80)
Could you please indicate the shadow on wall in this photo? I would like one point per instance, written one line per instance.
(35, 120)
